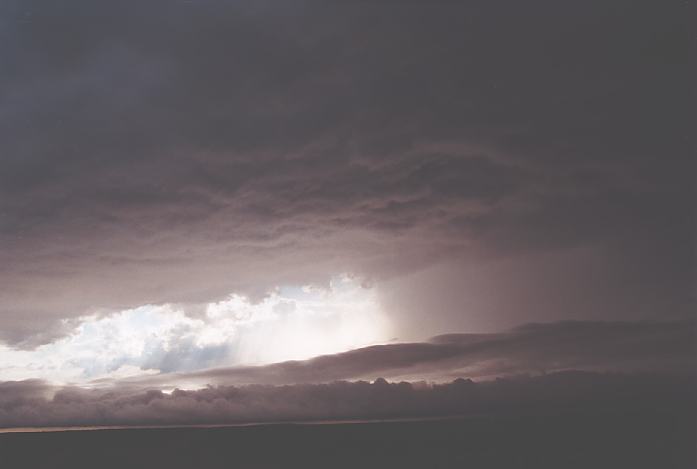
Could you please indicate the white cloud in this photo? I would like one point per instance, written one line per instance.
(290, 323)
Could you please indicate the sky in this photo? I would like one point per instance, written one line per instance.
(197, 189)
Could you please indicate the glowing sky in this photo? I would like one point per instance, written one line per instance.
(187, 185)
(289, 324)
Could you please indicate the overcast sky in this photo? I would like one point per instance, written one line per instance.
(187, 185)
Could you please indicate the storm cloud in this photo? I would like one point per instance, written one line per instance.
(498, 164)
(540, 369)
(35, 404)
(531, 349)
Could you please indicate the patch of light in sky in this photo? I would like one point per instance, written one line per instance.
(293, 322)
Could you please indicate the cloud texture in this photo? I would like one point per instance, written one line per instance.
(603, 367)
(535, 348)
(27, 403)
(177, 152)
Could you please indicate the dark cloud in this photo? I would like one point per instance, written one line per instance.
(567, 392)
(534, 348)
(538, 369)
(179, 151)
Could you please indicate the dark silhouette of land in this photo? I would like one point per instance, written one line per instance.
(653, 439)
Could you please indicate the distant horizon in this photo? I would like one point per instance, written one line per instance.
(214, 212)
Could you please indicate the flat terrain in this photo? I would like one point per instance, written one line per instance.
(573, 440)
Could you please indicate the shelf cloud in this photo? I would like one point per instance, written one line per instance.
(533, 349)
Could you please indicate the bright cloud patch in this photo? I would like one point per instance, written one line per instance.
(291, 323)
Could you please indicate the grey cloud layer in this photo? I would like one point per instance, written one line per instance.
(29, 403)
(534, 348)
(179, 151)
(586, 366)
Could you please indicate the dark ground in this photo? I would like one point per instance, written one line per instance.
(574, 440)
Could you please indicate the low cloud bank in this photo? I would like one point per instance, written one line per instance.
(35, 404)
(533, 348)
(538, 368)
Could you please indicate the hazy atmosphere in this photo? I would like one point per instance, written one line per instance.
(245, 211)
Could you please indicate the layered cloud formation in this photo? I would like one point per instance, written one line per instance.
(534, 349)
(219, 212)
(479, 176)
(34, 404)
(606, 366)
